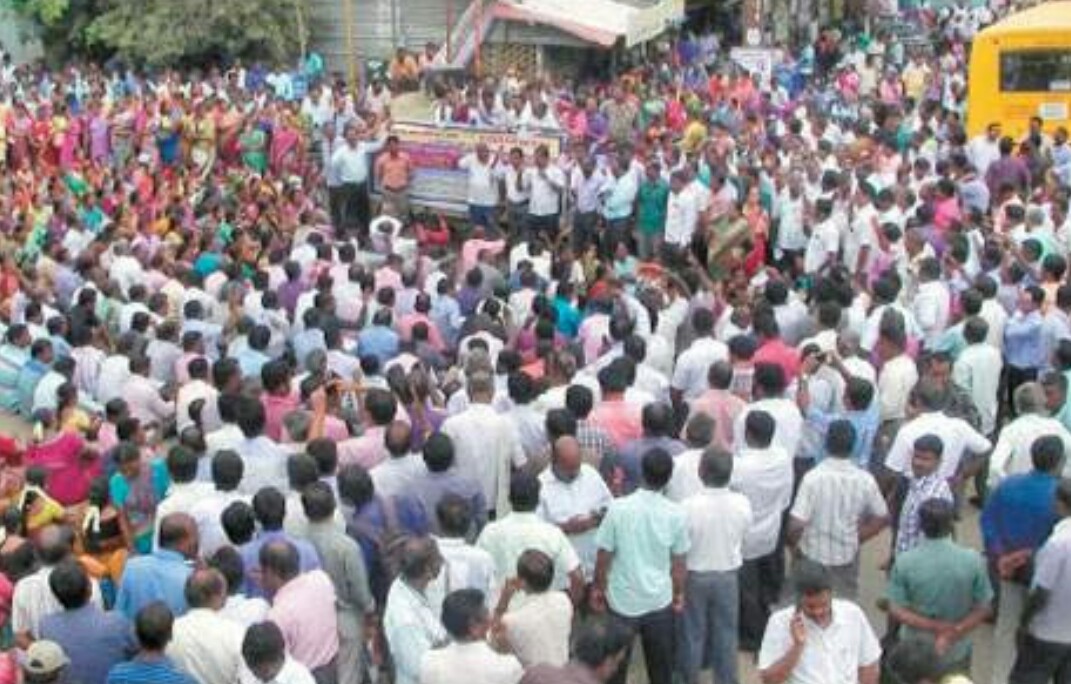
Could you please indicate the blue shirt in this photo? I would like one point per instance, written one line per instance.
(162, 671)
(26, 383)
(1024, 345)
(865, 423)
(1019, 514)
(250, 551)
(630, 458)
(378, 341)
(159, 576)
(94, 640)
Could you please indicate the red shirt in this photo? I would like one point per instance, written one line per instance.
(775, 351)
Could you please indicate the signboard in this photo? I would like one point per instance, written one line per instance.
(647, 23)
(759, 61)
(435, 152)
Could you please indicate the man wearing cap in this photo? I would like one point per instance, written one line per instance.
(44, 663)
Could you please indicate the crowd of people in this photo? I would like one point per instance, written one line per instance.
(665, 385)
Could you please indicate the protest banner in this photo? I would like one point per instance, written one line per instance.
(436, 150)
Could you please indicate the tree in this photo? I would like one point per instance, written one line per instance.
(174, 32)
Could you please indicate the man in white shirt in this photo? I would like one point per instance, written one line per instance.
(205, 644)
(227, 471)
(537, 620)
(682, 211)
(395, 476)
(820, 639)
(932, 302)
(468, 655)
(977, 370)
(485, 442)
(861, 238)
(483, 185)
(762, 472)
(959, 438)
(198, 389)
(824, 240)
(768, 388)
(985, 149)
(510, 536)
(718, 520)
(838, 508)
(263, 459)
(33, 599)
(897, 378)
(144, 399)
(350, 165)
(465, 566)
(693, 365)
(265, 660)
(789, 210)
(546, 184)
(185, 491)
(1011, 455)
(574, 497)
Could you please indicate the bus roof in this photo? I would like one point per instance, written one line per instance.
(1048, 17)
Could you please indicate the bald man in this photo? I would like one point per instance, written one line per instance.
(161, 575)
(205, 644)
(574, 497)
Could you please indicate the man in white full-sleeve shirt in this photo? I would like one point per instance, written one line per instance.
(485, 443)
(349, 164)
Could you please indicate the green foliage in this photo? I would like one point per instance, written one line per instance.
(48, 12)
(173, 32)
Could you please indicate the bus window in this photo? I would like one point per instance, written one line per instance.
(1035, 71)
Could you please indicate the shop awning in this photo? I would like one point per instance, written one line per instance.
(601, 22)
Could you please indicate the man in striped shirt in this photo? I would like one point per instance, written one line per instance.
(925, 482)
(838, 507)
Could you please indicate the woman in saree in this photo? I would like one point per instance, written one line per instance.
(45, 154)
(20, 126)
(136, 490)
(758, 224)
(101, 535)
(229, 132)
(68, 138)
(254, 145)
(123, 126)
(98, 131)
(60, 451)
(203, 141)
(285, 144)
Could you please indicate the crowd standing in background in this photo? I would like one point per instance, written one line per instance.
(661, 387)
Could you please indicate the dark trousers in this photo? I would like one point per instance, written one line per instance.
(326, 674)
(615, 232)
(1041, 662)
(356, 208)
(544, 226)
(760, 588)
(517, 216)
(584, 227)
(334, 207)
(1017, 376)
(657, 632)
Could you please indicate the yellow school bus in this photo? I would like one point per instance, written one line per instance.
(1021, 68)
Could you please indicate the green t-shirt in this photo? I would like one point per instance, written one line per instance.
(942, 581)
(651, 202)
